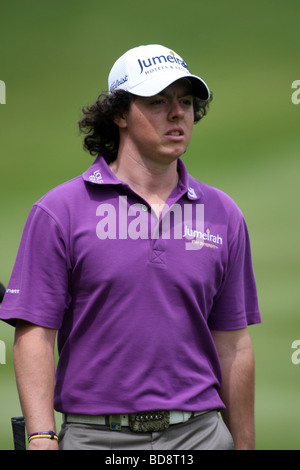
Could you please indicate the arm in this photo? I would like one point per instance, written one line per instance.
(237, 390)
(35, 375)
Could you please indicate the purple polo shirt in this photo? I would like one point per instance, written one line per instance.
(134, 297)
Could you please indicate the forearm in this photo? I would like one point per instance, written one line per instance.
(35, 376)
(237, 393)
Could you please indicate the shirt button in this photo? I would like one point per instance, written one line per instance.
(144, 208)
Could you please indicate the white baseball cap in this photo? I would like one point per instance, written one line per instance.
(147, 70)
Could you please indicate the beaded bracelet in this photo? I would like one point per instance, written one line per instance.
(47, 434)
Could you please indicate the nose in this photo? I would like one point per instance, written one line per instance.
(176, 111)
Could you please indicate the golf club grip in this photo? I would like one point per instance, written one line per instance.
(2, 291)
(18, 427)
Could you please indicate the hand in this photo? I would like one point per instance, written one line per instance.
(43, 444)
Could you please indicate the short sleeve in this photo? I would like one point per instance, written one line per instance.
(236, 304)
(38, 288)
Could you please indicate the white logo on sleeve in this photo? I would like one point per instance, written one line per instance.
(13, 291)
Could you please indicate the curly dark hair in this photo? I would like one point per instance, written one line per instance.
(102, 134)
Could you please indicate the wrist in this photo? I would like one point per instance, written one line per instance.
(43, 444)
(46, 440)
(43, 435)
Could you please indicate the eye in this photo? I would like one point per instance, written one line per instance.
(157, 101)
(187, 101)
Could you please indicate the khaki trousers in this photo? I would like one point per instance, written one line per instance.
(205, 432)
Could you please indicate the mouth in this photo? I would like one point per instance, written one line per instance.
(175, 134)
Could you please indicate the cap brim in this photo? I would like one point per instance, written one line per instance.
(153, 86)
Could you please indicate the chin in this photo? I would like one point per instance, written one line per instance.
(177, 154)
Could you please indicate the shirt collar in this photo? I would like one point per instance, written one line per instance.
(100, 173)
(187, 183)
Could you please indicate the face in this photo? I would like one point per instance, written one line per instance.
(159, 127)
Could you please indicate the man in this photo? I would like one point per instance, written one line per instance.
(146, 275)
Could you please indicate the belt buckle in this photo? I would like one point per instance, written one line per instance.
(149, 421)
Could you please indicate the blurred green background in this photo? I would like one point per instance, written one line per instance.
(55, 57)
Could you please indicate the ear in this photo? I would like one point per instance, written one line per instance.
(120, 121)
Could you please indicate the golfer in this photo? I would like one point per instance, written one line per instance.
(144, 276)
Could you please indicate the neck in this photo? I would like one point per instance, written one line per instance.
(154, 182)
